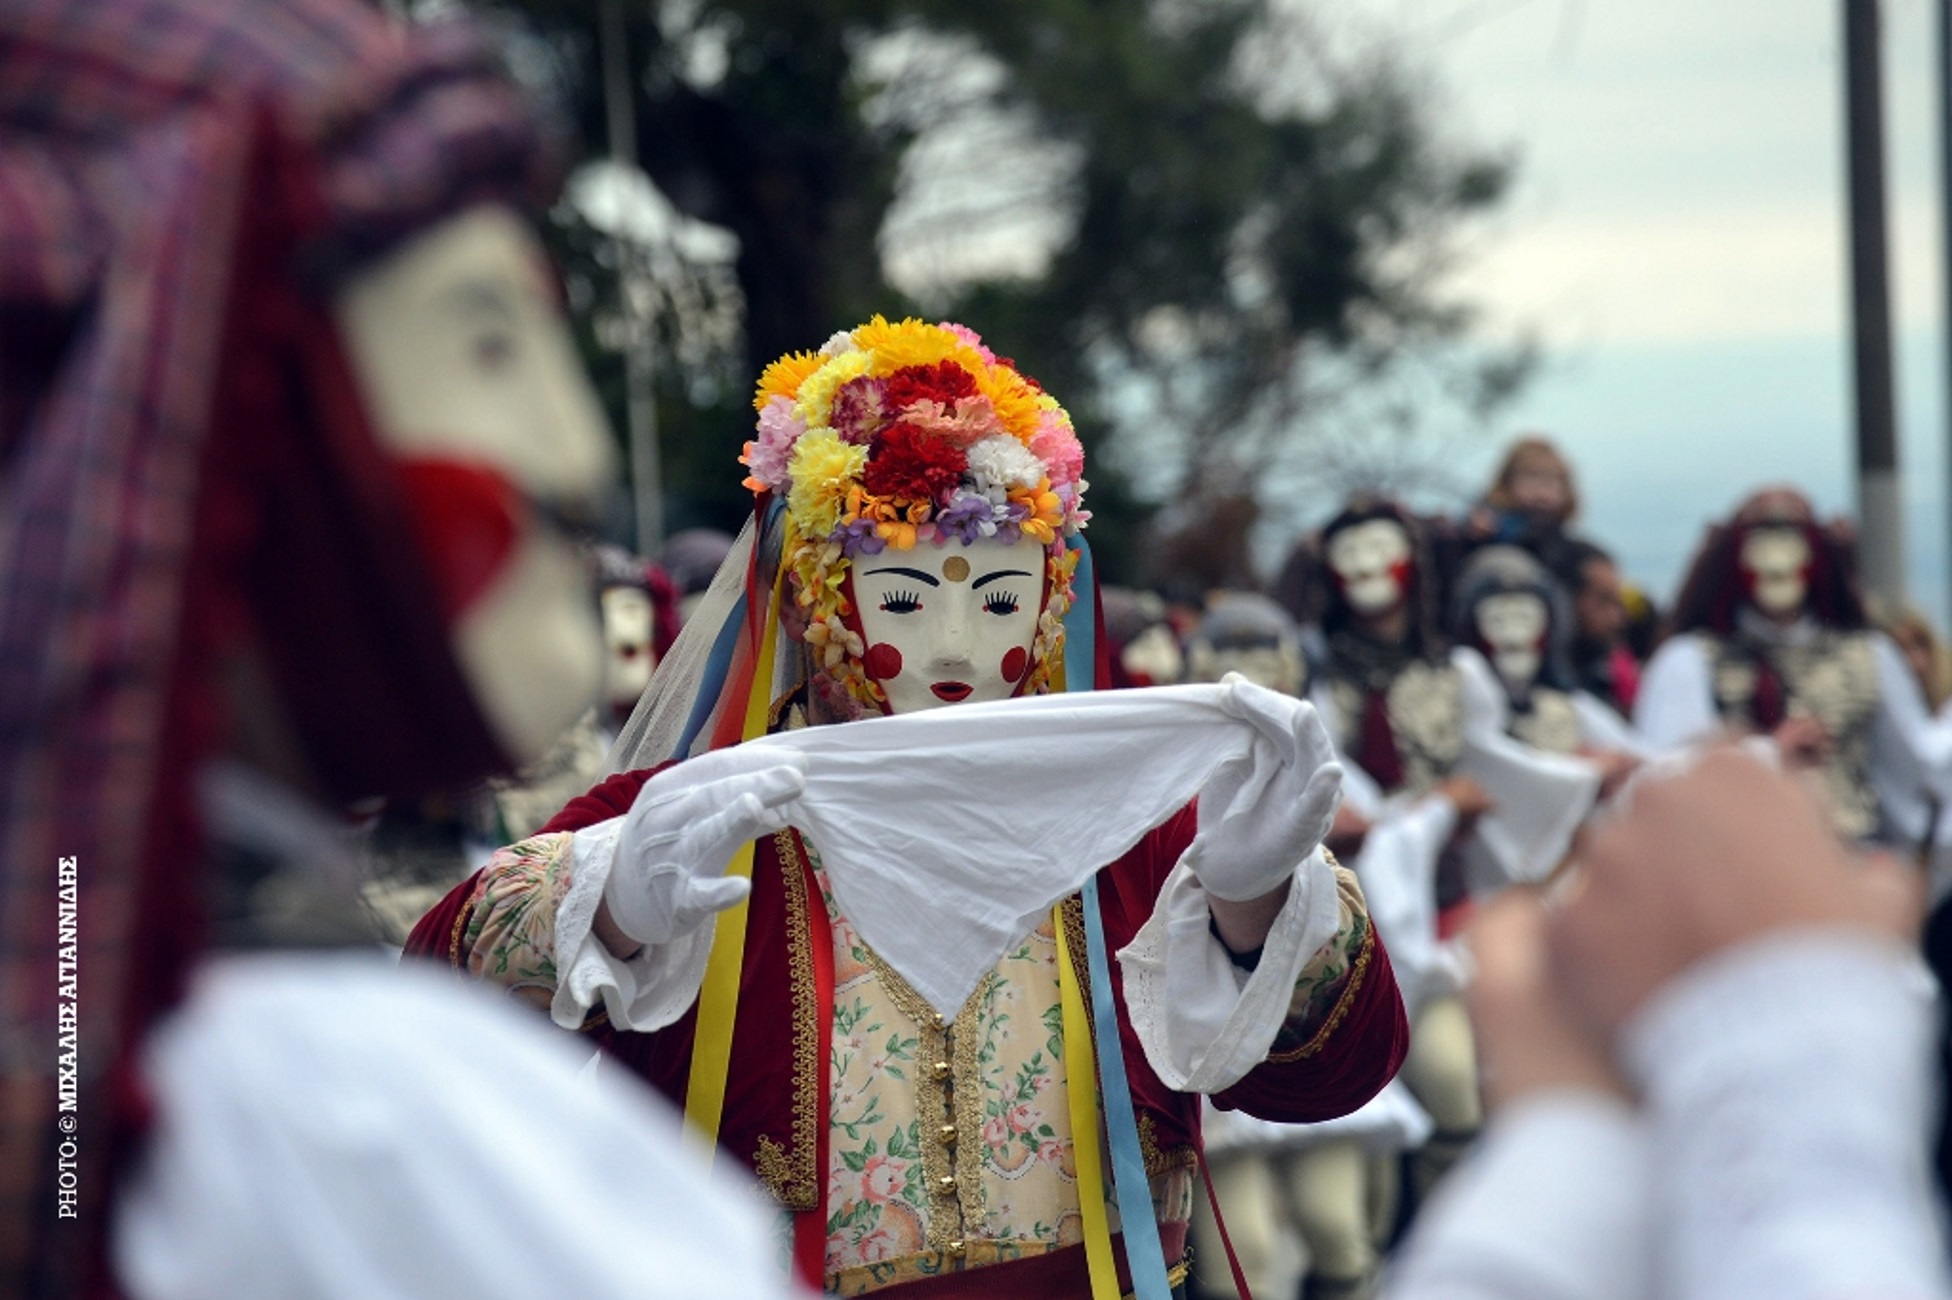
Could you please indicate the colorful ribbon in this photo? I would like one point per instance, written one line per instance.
(1144, 1254)
(718, 998)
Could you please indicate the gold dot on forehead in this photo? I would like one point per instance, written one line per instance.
(955, 568)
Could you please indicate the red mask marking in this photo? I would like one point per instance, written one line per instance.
(464, 517)
(1016, 662)
(883, 661)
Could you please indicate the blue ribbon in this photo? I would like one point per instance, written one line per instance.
(718, 666)
(1131, 1188)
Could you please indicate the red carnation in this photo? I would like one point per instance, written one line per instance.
(905, 464)
(942, 382)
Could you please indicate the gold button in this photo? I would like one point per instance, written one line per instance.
(940, 1021)
(948, 1132)
(947, 1182)
(957, 1248)
(941, 1069)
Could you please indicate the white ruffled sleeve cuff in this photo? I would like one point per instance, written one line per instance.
(648, 991)
(1204, 1022)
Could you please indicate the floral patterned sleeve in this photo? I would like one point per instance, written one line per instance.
(508, 933)
(1334, 974)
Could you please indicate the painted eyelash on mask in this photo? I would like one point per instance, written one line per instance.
(1001, 602)
(902, 602)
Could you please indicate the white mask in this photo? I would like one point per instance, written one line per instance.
(1513, 625)
(1155, 656)
(627, 624)
(1779, 561)
(463, 361)
(948, 624)
(1369, 560)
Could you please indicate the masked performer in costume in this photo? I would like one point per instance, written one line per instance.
(915, 546)
(1511, 624)
(1770, 639)
(289, 418)
(1397, 706)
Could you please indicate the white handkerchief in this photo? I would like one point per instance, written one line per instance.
(948, 834)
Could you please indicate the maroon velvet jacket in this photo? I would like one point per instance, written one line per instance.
(774, 1115)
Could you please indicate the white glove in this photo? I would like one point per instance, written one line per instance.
(1263, 813)
(681, 831)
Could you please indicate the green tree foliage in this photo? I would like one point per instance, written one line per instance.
(1229, 245)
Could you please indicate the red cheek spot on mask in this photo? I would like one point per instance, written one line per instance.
(1016, 661)
(883, 661)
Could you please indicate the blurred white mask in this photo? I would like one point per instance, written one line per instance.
(1370, 560)
(473, 383)
(627, 627)
(1513, 625)
(1777, 561)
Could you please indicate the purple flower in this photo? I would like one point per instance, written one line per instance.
(857, 537)
(969, 518)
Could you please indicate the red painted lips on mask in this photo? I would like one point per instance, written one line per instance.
(464, 517)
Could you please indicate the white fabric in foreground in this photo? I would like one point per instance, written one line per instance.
(948, 834)
(336, 1127)
(1553, 1204)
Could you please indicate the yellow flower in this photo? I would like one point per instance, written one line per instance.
(832, 641)
(815, 402)
(784, 377)
(822, 470)
(914, 343)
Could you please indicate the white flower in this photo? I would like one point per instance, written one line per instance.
(1003, 462)
(840, 342)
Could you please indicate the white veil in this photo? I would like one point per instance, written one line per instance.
(657, 726)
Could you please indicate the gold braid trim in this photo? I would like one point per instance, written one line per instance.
(862, 1279)
(1079, 946)
(1159, 1161)
(789, 1172)
(944, 1101)
(461, 925)
(1342, 1004)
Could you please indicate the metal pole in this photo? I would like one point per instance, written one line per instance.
(640, 403)
(1879, 508)
(1945, 246)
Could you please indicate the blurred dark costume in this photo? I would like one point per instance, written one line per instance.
(194, 505)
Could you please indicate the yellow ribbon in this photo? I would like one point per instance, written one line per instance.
(718, 998)
(1081, 1088)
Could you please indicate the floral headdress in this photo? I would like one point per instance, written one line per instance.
(893, 435)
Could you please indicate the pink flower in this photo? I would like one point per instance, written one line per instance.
(859, 409)
(995, 1131)
(1041, 1081)
(882, 1178)
(779, 429)
(1050, 1150)
(971, 337)
(1057, 446)
(877, 1245)
(1022, 1117)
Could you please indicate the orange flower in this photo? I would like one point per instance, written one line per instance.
(1046, 511)
(784, 377)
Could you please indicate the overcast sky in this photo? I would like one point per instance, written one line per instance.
(1677, 238)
